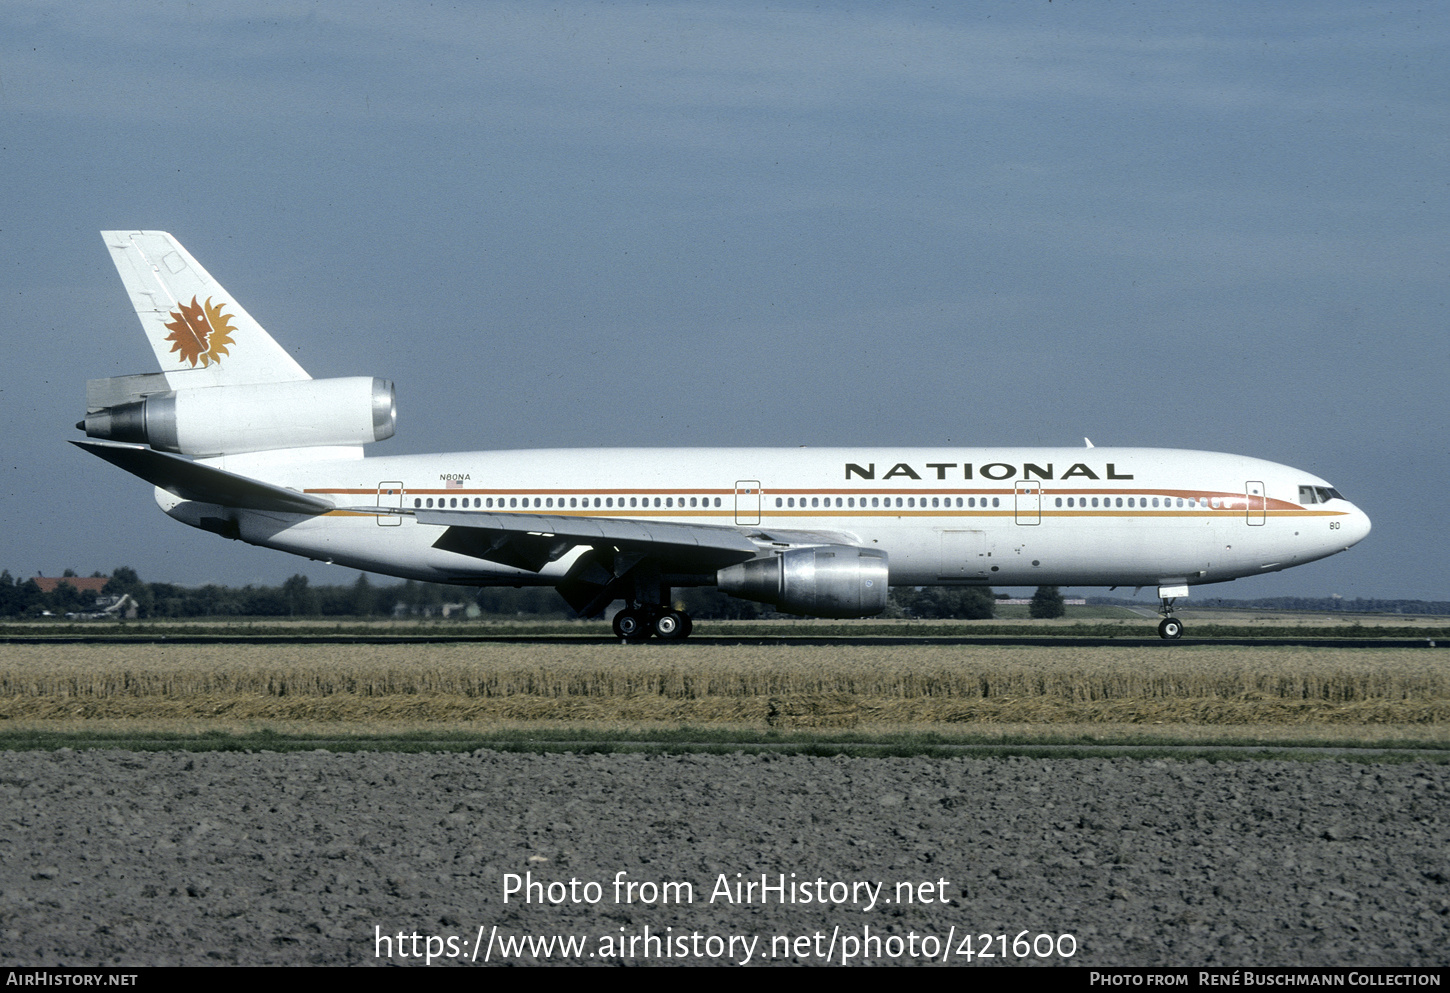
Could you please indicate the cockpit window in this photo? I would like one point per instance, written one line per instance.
(1318, 494)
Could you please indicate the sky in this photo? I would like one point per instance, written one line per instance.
(1205, 226)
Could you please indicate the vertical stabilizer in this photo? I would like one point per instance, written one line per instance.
(200, 334)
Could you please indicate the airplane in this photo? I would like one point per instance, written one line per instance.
(238, 440)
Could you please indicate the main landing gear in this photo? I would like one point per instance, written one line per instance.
(640, 622)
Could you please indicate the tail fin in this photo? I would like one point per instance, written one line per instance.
(200, 334)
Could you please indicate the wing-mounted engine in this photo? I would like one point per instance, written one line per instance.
(230, 420)
(822, 580)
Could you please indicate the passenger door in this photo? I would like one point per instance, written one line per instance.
(747, 501)
(1255, 502)
(390, 494)
(1028, 501)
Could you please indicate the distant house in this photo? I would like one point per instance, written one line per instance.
(81, 584)
(113, 606)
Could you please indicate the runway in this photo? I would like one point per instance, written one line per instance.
(894, 641)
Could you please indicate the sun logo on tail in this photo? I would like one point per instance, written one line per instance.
(199, 332)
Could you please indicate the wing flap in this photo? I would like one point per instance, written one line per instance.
(796, 539)
(206, 484)
(531, 541)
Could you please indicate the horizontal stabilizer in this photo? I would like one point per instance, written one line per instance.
(194, 481)
(531, 541)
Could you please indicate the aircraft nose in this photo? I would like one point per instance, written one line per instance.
(1356, 528)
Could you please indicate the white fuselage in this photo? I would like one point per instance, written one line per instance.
(986, 516)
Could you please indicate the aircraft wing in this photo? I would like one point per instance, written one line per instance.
(531, 541)
(207, 484)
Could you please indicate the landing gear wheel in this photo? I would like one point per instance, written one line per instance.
(1170, 629)
(631, 625)
(672, 625)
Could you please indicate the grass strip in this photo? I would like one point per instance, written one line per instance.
(713, 741)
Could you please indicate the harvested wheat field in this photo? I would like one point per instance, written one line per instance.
(1202, 692)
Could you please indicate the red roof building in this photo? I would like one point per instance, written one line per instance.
(82, 584)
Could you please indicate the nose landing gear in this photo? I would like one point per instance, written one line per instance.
(1170, 628)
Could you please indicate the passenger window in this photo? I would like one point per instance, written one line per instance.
(417, 502)
(996, 502)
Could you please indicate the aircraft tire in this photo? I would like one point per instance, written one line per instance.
(631, 625)
(1170, 629)
(672, 625)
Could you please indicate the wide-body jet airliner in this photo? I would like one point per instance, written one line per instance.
(240, 441)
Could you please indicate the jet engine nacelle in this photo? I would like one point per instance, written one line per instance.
(824, 581)
(229, 420)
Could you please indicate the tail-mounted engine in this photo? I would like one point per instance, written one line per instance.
(822, 581)
(229, 420)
